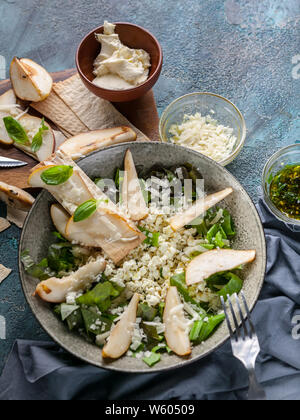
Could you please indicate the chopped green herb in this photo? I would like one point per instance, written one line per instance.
(285, 191)
(152, 237)
(153, 359)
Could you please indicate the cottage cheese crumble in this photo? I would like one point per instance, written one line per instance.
(148, 270)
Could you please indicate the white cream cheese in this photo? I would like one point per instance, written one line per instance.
(119, 67)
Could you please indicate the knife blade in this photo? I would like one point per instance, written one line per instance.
(11, 163)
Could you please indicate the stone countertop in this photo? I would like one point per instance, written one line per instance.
(245, 50)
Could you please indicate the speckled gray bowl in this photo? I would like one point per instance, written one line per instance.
(37, 236)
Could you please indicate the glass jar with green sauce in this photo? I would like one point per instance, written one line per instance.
(285, 191)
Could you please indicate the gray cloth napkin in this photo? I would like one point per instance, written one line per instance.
(42, 371)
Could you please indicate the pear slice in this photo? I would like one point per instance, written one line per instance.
(216, 261)
(86, 143)
(70, 195)
(31, 82)
(132, 195)
(8, 98)
(176, 332)
(15, 197)
(116, 234)
(7, 103)
(55, 290)
(200, 207)
(31, 126)
(106, 230)
(59, 218)
(121, 335)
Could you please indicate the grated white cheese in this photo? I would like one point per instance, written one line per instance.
(204, 135)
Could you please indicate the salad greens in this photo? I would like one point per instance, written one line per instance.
(62, 258)
(101, 296)
(152, 237)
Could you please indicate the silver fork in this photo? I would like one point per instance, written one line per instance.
(245, 345)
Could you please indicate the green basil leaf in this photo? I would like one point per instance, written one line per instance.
(85, 210)
(15, 131)
(37, 142)
(38, 138)
(57, 175)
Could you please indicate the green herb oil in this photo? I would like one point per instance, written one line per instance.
(285, 191)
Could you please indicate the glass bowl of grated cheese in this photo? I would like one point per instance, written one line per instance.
(207, 123)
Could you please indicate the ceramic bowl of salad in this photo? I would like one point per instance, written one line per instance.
(281, 184)
(126, 278)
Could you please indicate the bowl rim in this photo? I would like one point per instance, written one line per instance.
(276, 212)
(158, 69)
(182, 362)
(237, 150)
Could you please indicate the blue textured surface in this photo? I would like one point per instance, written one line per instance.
(246, 50)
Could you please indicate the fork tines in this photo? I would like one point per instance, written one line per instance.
(248, 328)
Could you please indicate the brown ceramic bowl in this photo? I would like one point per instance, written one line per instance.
(132, 36)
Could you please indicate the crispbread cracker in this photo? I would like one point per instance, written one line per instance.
(4, 273)
(58, 112)
(65, 133)
(4, 224)
(94, 112)
(17, 217)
